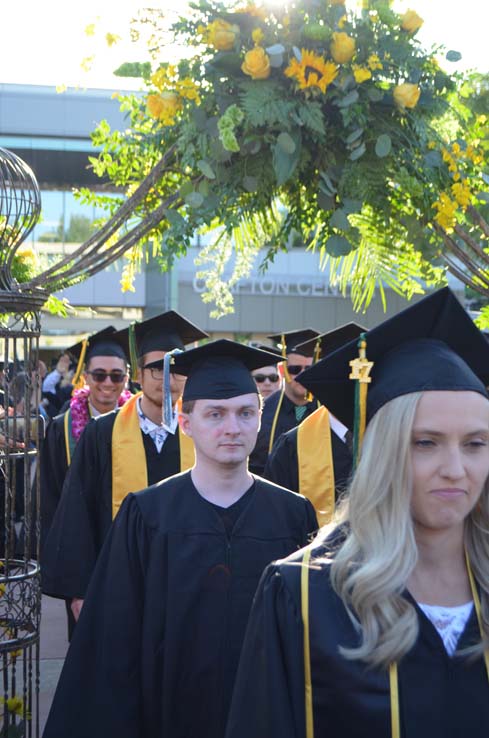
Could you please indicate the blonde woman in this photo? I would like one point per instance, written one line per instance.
(384, 633)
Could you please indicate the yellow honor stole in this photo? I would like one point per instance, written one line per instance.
(129, 471)
(315, 463)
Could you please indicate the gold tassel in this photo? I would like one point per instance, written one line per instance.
(361, 369)
(284, 357)
(317, 352)
(78, 381)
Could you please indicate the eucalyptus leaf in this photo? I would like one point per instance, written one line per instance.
(375, 94)
(203, 188)
(174, 218)
(351, 206)
(354, 135)
(186, 188)
(338, 246)
(357, 153)
(297, 53)
(250, 184)
(339, 220)
(286, 142)
(276, 60)
(284, 164)
(326, 202)
(453, 56)
(275, 49)
(433, 159)
(225, 61)
(327, 180)
(383, 145)
(194, 199)
(349, 99)
(206, 169)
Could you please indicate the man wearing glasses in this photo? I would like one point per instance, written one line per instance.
(118, 453)
(285, 409)
(268, 378)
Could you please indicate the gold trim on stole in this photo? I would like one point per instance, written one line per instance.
(315, 463)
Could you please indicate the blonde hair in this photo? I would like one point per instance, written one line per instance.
(371, 569)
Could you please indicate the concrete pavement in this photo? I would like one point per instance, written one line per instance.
(53, 647)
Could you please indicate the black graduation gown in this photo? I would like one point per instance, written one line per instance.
(439, 696)
(282, 464)
(286, 420)
(84, 513)
(53, 468)
(157, 645)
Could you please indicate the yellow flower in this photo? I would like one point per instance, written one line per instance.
(462, 193)
(222, 35)
(406, 95)
(164, 106)
(432, 144)
(374, 62)
(112, 38)
(446, 208)
(411, 21)
(361, 74)
(342, 47)
(258, 36)
(127, 279)
(15, 704)
(254, 11)
(188, 89)
(2, 589)
(26, 254)
(313, 71)
(342, 21)
(256, 63)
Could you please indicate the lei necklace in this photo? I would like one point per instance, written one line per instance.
(80, 414)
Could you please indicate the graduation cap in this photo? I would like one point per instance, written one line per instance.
(219, 369)
(107, 342)
(165, 332)
(289, 341)
(432, 345)
(328, 342)
(271, 350)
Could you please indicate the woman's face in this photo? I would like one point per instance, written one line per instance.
(450, 457)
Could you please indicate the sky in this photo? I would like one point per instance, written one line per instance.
(44, 43)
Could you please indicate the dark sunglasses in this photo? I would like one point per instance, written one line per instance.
(295, 369)
(100, 375)
(262, 377)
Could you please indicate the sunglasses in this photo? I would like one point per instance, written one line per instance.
(295, 369)
(100, 375)
(260, 378)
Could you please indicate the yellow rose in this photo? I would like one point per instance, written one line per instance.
(164, 106)
(342, 47)
(256, 63)
(406, 95)
(361, 74)
(222, 35)
(411, 21)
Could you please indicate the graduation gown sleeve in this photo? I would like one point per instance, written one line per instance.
(268, 699)
(53, 465)
(100, 689)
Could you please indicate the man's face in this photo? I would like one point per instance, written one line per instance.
(151, 380)
(295, 364)
(105, 394)
(267, 379)
(223, 431)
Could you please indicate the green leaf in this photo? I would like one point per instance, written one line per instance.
(375, 94)
(206, 169)
(284, 164)
(286, 142)
(453, 56)
(351, 206)
(326, 202)
(338, 246)
(174, 218)
(357, 153)
(483, 196)
(203, 188)
(328, 182)
(339, 220)
(354, 135)
(433, 159)
(186, 188)
(348, 100)
(250, 184)
(194, 199)
(225, 61)
(383, 145)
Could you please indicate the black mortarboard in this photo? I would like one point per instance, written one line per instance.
(219, 370)
(328, 342)
(107, 342)
(166, 332)
(293, 339)
(432, 345)
(271, 350)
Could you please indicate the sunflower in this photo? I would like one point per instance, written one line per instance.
(312, 71)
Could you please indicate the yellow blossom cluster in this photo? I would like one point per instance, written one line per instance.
(220, 34)
(312, 71)
(461, 192)
(164, 107)
(255, 11)
(446, 212)
(360, 73)
(172, 91)
(373, 62)
(14, 705)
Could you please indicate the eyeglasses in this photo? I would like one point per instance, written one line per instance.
(100, 375)
(260, 378)
(295, 369)
(156, 371)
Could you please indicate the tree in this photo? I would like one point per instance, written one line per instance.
(311, 122)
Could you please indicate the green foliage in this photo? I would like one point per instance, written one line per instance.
(263, 117)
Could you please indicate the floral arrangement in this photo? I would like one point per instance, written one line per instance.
(308, 121)
(80, 414)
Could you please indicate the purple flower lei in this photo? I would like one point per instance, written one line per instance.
(80, 414)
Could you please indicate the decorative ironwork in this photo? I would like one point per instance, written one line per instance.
(21, 429)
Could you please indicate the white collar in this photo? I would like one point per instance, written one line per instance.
(338, 427)
(147, 425)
